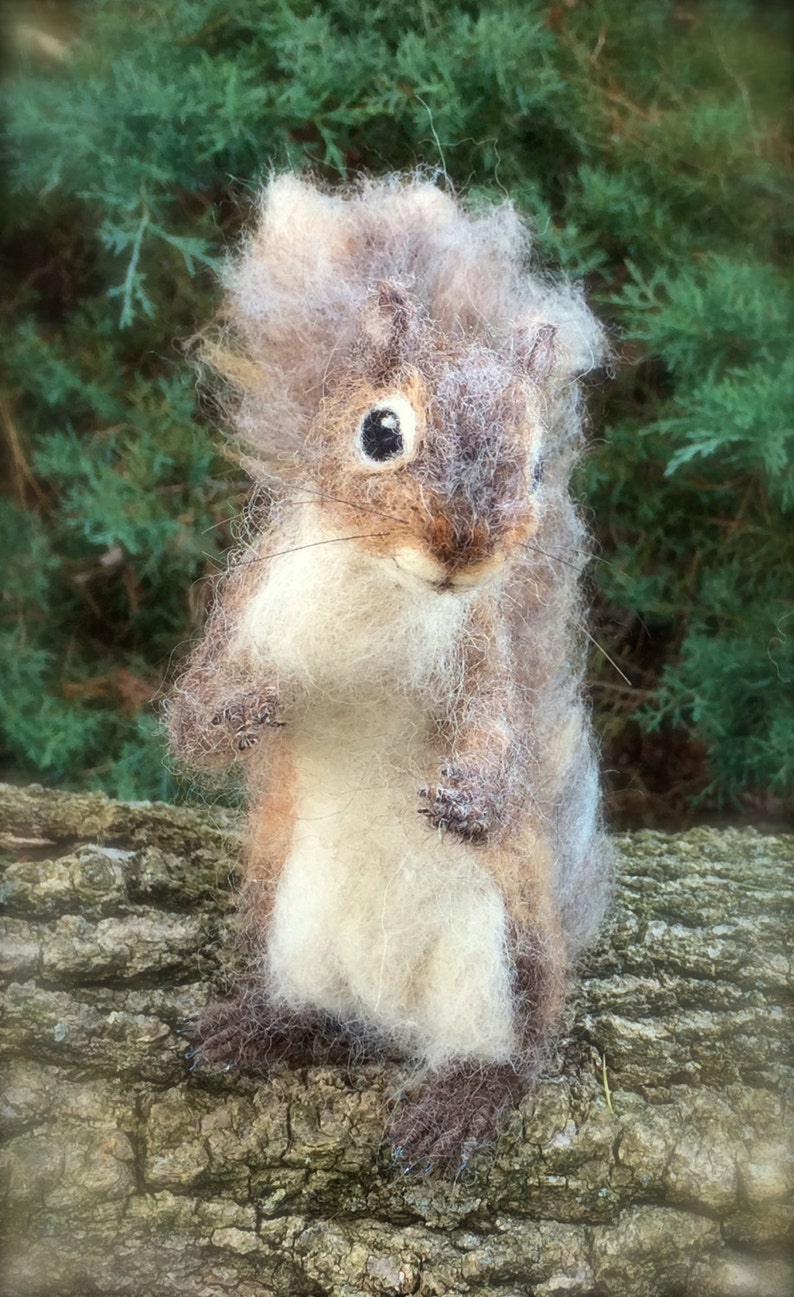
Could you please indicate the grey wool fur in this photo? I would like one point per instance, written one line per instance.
(395, 659)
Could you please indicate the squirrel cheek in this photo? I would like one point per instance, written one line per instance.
(481, 573)
(418, 565)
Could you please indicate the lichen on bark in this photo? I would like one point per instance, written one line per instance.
(127, 1173)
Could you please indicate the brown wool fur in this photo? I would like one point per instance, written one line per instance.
(395, 660)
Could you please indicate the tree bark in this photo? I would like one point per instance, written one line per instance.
(652, 1161)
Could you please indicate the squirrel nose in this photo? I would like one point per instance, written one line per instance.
(459, 542)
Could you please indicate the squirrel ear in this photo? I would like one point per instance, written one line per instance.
(537, 352)
(386, 319)
(303, 224)
(559, 340)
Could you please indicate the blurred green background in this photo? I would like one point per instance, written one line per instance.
(647, 145)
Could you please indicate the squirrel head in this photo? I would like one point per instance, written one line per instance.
(388, 352)
(440, 439)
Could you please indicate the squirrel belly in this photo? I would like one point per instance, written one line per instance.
(377, 918)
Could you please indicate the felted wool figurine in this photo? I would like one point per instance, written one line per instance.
(395, 658)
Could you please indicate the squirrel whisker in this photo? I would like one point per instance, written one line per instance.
(610, 660)
(525, 544)
(591, 558)
(331, 540)
(366, 508)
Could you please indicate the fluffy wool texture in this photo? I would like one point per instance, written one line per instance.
(396, 657)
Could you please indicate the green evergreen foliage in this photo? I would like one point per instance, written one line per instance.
(645, 143)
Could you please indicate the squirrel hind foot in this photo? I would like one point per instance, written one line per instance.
(458, 1111)
(249, 1033)
(256, 1035)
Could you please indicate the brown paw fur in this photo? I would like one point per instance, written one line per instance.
(458, 1110)
(462, 804)
(246, 715)
(247, 1032)
(255, 1035)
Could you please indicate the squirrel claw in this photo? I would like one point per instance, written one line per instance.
(461, 806)
(246, 715)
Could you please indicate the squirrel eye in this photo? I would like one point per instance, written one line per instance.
(387, 432)
(381, 437)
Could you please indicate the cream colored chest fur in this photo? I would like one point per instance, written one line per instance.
(376, 917)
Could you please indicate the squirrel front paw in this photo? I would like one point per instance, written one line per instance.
(247, 714)
(463, 804)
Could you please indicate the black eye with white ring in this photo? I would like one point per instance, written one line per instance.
(381, 437)
(387, 432)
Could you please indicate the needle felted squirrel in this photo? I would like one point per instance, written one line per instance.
(395, 659)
